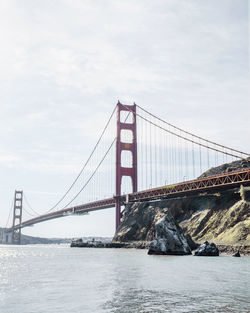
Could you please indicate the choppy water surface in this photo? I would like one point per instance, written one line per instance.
(56, 278)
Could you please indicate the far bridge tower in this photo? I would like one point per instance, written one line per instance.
(17, 217)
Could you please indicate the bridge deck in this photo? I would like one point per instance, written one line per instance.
(210, 183)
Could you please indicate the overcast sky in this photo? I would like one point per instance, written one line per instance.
(64, 64)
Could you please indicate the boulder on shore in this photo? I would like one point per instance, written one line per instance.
(169, 238)
(207, 249)
(237, 254)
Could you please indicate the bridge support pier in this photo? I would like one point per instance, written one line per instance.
(17, 217)
(121, 146)
(118, 214)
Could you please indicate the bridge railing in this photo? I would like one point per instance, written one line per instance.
(210, 183)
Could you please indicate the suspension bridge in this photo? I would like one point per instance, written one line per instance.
(138, 157)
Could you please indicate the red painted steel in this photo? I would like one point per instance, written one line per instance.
(120, 146)
(80, 209)
(208, 184)
(17, 217)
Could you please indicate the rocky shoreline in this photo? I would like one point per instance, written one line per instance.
(230, 250)
(207, 223)
(223, 249)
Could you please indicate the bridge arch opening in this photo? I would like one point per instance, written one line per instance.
(126, 136)
(126, 117)
(126, 185)
(126, 159)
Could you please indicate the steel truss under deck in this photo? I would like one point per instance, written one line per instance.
(201, 185)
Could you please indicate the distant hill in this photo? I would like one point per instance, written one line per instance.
(30, 240)
(25, 240)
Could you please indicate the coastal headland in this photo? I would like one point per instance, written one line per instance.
(222, 218)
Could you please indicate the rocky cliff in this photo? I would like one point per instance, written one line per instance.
(223, 218)
(227, 167)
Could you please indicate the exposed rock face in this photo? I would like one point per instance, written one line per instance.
(237, 254)
(193, 245)
(223, 218)
(207, 249)
(138, 223)
(228, 167)
(93, 243)
(225, 222)
(169, 238)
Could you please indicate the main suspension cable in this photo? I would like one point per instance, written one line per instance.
(30, 207)
(86, 163)
(96, 169)
(11, 208)
(190, 140)
(193, 135)
(30, 214)
(99, 164)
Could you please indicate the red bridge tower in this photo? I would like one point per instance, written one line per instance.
(120, 146)
(17, 217)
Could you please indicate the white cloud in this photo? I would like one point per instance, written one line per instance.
(9, 160)
(65, 64)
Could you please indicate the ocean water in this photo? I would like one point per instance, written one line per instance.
(57, 278)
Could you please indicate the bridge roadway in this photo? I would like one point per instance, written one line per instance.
(211, 183)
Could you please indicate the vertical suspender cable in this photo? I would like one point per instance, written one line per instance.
(156, 160)
(200, 160)
(150, 147)
(208, 161)
(146, 147)
(193, 160)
